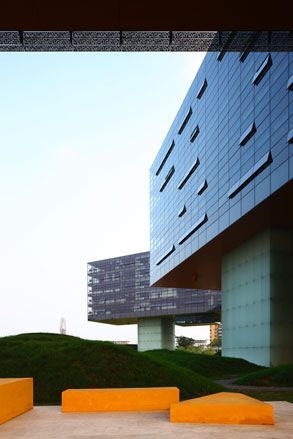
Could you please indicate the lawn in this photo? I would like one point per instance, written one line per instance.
(58, 362)
(280, 376)
(211, 366)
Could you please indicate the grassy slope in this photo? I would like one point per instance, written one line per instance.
(280, 376)
(59, 362)
(214, 367)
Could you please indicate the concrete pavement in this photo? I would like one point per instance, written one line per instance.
(47, 422)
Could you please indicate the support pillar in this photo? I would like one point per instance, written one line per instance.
(156, 333)
(257, 299)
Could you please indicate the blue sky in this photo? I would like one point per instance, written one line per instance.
(79, 132)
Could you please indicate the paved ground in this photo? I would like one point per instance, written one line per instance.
(50, 423)
(229, 383)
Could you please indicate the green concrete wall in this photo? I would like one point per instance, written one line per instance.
(281, 297)
(257, 299)
(156, 333)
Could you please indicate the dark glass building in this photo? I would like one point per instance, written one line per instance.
(221, 199)
(119, 293)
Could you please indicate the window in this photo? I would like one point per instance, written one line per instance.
(251, 130)
(165, 158)
(244, 55)
(168, 306)
(202, 187)
(290, 136)
(167, 178)
(229, 40)
(251, 42)
(290, 83)
(182, 211)
(165, 255)
(202, 89)
(185, 120)
(263, 163)
(193, 229)
(188, 174)
(262, 70)
(194, 133)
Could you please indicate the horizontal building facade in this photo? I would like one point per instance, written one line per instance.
(221, 198)
(119, 292)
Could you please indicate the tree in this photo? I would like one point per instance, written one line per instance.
(184, 342)
(216, 344)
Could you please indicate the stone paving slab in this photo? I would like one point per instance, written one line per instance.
(48, 422)
(119, 400)
(16, 397)
(223, 408)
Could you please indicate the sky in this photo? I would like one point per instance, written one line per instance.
(78, 134)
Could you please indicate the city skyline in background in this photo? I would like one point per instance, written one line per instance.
(79, 132)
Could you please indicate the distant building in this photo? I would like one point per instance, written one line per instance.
(63, 326)
(120, 342)
(215, 331)
(119, 293)
(201, 343)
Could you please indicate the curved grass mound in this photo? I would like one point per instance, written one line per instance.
(58, 362)
(280, 376)
(211, 366)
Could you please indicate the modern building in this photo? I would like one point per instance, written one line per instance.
(221, 199)
(201, 343)
(215, 331)
(119, 293)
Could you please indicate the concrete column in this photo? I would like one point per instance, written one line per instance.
(257, 299)
(156, 333)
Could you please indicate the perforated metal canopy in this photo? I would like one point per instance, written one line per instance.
(223, 41)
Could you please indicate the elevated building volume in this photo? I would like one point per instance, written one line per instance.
(119, 293)
(224, 217)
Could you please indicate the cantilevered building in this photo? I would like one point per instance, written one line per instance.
(119, 293)
(221, 199)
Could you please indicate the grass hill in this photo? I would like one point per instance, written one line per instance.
(211, 366)
(280, 376)
(58, 362)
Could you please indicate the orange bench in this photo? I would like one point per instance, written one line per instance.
(108, 400)
(16, 397)
(223, 408)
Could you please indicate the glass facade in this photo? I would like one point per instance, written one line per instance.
(231, 150)
(119, 292)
